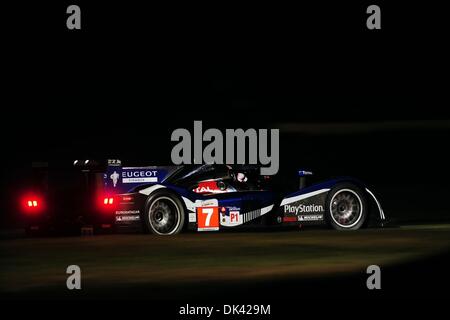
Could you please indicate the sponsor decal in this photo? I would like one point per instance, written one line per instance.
(290, 219)
(223, 213)
(235, 217)
(134, 176)
(192, 206)
(207, 203)
(311, 217)
(203, 189)
(207, 187)
(138, 176)
(192, 217)
(231, 218)
(114, 162)
(120, 212)
(303, 208)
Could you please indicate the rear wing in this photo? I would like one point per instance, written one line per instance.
(118, 179)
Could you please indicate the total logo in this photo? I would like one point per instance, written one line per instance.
(208, 187)
(302, 208)
(202, 190)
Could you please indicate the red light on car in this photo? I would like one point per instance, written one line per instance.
(31, 204)
(108, 201)
(127, 198)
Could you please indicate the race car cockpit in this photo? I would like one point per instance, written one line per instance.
(219, 178)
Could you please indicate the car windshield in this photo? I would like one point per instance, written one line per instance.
(199, 172)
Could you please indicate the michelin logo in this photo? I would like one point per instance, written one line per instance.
(302, 208)
(311, 217)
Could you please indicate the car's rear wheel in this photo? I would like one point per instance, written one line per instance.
(346, 207)
(164, 214)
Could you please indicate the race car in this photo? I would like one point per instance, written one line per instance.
(165, 200)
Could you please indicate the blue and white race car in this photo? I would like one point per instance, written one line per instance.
(166, 200)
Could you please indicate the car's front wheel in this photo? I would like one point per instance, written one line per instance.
(346, 207)
(164, 214)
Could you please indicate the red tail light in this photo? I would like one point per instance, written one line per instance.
(32, 204)
(108, 201)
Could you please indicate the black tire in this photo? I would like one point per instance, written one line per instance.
(346, 207)
(164, 213)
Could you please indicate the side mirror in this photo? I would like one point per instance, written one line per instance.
(302, 178)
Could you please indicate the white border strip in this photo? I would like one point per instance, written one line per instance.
(302, 196)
